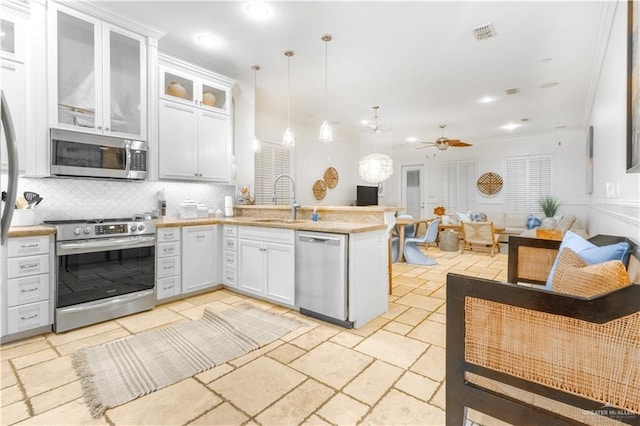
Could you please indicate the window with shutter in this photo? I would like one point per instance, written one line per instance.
(270, 162)
(528, 180)
(458, 186)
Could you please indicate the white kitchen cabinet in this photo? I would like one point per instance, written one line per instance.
(200, 251)
(14, 36)
(27, 297)
(193, 143)
(98, 81)
(194, 123)
(190, 89)
(168, 263)
(266, 263)
(230, 255)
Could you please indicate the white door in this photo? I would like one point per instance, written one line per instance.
(413, 190)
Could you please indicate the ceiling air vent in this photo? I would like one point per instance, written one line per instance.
(512, 91)
(484, 32)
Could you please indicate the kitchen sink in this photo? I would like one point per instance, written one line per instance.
(271, 220)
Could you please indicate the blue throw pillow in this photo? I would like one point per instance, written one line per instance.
(533, 222)
(478, 217)
(590, 252)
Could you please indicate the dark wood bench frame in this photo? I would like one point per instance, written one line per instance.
(461, 394)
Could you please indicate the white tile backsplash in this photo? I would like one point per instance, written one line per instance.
(94, 199)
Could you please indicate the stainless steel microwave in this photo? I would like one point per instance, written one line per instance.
(96, 156)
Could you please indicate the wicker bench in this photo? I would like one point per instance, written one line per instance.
(530, 356)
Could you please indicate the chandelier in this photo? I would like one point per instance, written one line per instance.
(375, 164)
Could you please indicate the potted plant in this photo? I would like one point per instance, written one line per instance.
(549, 206)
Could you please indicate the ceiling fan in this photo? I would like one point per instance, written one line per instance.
(443, 143)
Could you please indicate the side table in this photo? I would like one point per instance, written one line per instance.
(448, 240)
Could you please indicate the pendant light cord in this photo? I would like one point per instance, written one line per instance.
(288, 91)
(326, 80)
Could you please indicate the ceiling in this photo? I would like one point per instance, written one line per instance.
(418, 60)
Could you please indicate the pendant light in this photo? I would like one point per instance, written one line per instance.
(375, 164)
(289, 138)
(326, 133)
(256, 145)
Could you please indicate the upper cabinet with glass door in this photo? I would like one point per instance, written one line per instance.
(100, 69)
(188, 88)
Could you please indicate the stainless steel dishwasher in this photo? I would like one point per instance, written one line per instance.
(321, 276)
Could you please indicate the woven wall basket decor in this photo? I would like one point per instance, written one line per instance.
(490, 183)
(319, 190)
(331, 177)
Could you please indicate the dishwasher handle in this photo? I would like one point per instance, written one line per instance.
(331, 241)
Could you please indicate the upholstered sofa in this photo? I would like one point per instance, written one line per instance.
(515, 224)
(527, 355)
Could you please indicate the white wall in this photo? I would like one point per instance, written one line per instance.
(312, 158)
(567, 148)
(619, 215)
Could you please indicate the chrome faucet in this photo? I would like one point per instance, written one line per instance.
(294, 203)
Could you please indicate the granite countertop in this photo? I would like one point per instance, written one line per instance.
(324, 208)
(168, 222)
(31, 231)
(302, 225)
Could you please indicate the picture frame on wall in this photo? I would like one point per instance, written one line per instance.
(589, 175)
(633, 95)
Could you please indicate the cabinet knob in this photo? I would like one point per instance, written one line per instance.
(99, 127)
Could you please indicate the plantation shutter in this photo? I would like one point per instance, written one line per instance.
(458, 180)
(449, 185)
(467, 186)
(528, 180)
(270, 162)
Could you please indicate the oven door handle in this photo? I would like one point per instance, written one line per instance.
(122, 243)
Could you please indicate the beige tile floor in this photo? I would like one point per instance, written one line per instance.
(390, 372)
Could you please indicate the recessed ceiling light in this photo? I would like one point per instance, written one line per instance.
(549, 85)
(411, 139)
(364, 122)
(486, 99)
(510, 126)
(258, 10)
(207, 40)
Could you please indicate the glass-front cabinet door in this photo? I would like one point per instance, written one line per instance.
(127, 83)
(78, 72)
(101, 76)
(181, 87)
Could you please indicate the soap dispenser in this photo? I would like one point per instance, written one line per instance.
(314, 216)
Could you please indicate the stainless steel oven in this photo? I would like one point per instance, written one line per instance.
(97, 156)
(105, 269)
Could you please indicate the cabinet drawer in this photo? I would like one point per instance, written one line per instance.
(230, 243)
(167, 234)
(27, 266)
(230, 259)
(169, 249)
(168, 266)
(27, 290)
(230, 230)
(167, 287)
(27, 246)
(230, 278)
(26, 317)
(272, 235)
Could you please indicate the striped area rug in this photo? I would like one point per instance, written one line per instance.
(119, 371)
